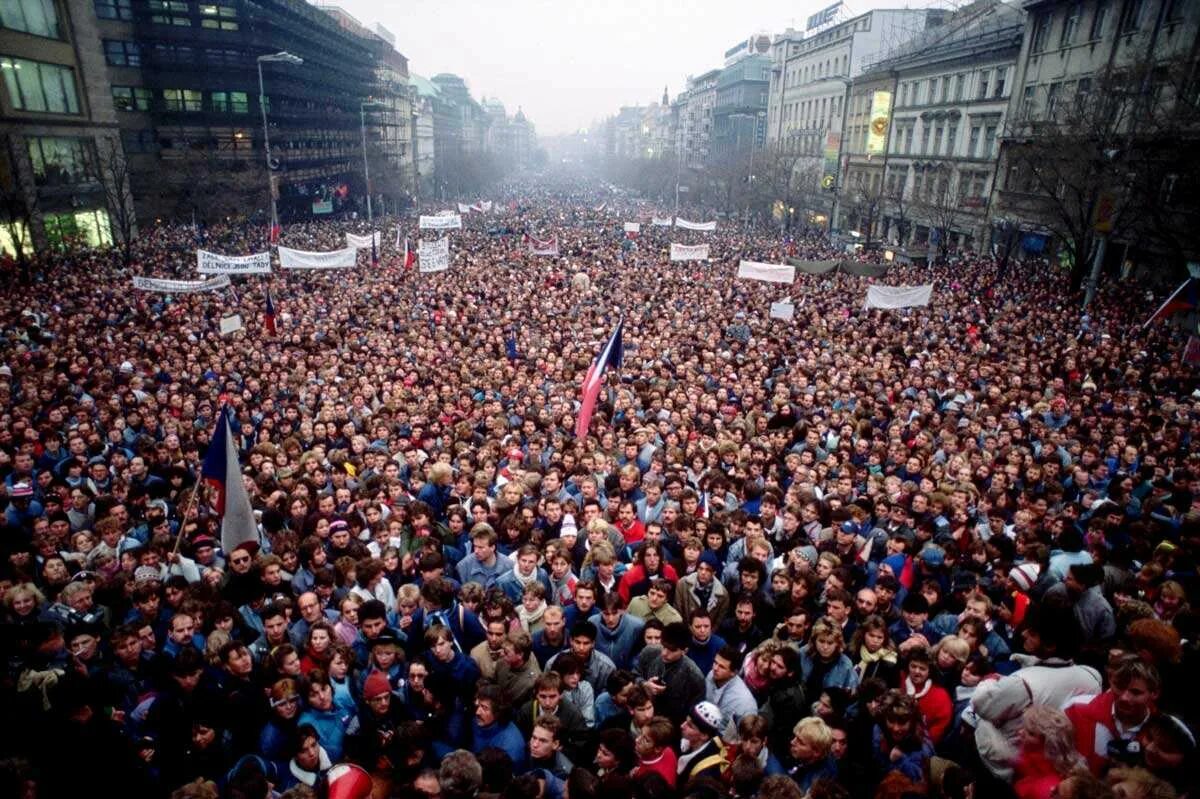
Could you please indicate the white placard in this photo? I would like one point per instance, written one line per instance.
(898, 296)
(688, 252)
(543, 247)
(706, 227)
(433, 256)
(299, 259)
(463, 208)
(210, 263)
(657, 221)
(450, 221)
(770, 273)
(231, 324)
(783, 310)
(362, 242)
(482, 207)
(633, 227)
(180, 286)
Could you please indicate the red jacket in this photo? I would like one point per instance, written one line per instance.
(664, 766)
(1094, 728)
(936, 708)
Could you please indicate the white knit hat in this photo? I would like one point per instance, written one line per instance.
(1025, 575)
(707, 718)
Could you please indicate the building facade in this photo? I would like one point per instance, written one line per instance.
(740, 112)
(61, 162)
(696, 118)
(925, 177)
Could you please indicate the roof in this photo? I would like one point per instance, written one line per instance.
(424, 86)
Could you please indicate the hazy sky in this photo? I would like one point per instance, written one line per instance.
(569, 63)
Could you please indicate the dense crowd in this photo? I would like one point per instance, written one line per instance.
(945, 551)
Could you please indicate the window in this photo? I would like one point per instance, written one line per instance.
(937, 140)
(1132, 20)
(1175, 10)
(1027, 101)
(1099, 18)
(1041, 33)
(946, 89)
(60, 161)
(1070, 25)
(1053, 95)
(925, 131)
(903, 94)
(218, 17)
(973, 141)
(231, 102)
(113, 9)
(960, 87)
(35, 86)
(1082, 89)
(78, 228)
(989, 142)
(169, 12)
(985, 78)
(37, 17)
(182, 100)
(951, 138)
(1001, 76)
(129, 98)
(122, 54)
(139, 141)
(908, 138)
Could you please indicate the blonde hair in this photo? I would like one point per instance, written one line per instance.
(815, 733)
(824, 628)
(408, 593)
(1058, 737)
(957, 647)
(23, 589)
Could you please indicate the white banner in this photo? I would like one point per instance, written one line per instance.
(688, 252)
(770, 273)
(660, 222)
(482, 207)
(434, 256)
(180, 286)
(362, 242)
(210, 263)
(448, 222)
(898, 296)
(299, 259)
(463, 208)
(783, 310)
(707, 227)
(231, 324)
(547, 247)
(633, 227)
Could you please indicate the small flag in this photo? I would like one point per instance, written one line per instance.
(410, 257)
(223, 473)
(1185, 298)
(269, 315)
(276, 230)
(612, 355)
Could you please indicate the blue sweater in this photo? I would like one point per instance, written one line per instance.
(619, 644)
(506, 737)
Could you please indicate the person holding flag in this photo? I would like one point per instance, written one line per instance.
(222, 472)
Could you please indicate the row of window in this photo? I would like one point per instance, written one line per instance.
(36, 17)
(941, 139)
(830, 67)
(811, 114)
(171, 12)
(61, 161)
(136, 98)
(1135, 16)
(40, 87)
(981, 85)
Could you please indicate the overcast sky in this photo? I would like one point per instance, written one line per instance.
(569, 63)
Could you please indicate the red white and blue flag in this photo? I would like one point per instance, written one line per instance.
(1186, 298)
(410, 257)
(223, 473)
(269, 314)
(610, 356)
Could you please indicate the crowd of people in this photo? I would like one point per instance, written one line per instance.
(945, 551)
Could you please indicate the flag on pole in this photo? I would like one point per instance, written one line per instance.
(611, 356)
(410, 258)
(223, 473)
(269, 314)
(1185, 298)
(273, 236)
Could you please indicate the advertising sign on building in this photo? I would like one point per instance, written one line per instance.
(881, 115)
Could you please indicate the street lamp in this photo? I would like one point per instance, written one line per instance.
(363, 107)
(282, 57)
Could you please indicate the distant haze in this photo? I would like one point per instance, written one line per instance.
(569, 63)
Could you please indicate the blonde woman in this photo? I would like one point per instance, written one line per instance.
(823, 663)
(1046, 752)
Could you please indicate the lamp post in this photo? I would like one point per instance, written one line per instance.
(282, 57)
(362, 119)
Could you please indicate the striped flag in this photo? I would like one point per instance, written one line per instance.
(269, 314)
(223, 473)
(611, 356)
(1185, 298)
(409, 257)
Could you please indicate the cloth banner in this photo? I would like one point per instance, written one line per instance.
(702, 226)
(633, 227)
(210, 263)
(463, 208)
(864, 270)
(482, 207)
(345, 258)
(783, 310)
(547, 247)
(813, 267)
(688, 252)
(434, 256)
(770, 273)
(660, 222)
(363, 242)
(231, 324)
(439, 222)
(180, 286)
(898, 296)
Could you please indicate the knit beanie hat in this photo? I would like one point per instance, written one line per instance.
(1025, 575)
(707, 718)
(376, 685)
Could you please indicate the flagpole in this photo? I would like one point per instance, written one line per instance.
(183, 518)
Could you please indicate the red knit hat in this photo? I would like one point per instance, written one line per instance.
(376, 685)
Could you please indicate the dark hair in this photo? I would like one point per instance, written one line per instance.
(584, 629)
(372, 609)
(733, 655)
(620, 744)
(676, 635)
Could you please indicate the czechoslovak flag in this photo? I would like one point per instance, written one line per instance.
(410, 258)
(223, 473)
(269, 314)
(612, 355)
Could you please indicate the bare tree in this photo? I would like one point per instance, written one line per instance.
(113, 174)
(899, 204)
(942, 205)
(16, 209)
